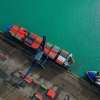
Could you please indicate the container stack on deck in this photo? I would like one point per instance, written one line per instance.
(31, 40)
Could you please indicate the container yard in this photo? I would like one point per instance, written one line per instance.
(14, 63)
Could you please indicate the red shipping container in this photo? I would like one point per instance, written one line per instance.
(46, 50)
(35, 45)
(34, 35)
(22, 33)
(39, 40)
(14, 30)
(51, 93)
(53, 54)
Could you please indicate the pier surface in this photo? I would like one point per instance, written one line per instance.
(76, 88)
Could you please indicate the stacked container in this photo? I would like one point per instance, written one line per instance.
(47, 48)
(54, 52)
(21, 34)
(37, 41)
(62, 58)
(14, 29)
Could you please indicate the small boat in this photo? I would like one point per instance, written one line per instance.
(94, 77)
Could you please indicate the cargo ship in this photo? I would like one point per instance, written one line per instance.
(33, 41)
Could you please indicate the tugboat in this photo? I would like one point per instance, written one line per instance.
(94, 77)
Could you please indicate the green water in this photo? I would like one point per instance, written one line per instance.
(72, 24)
